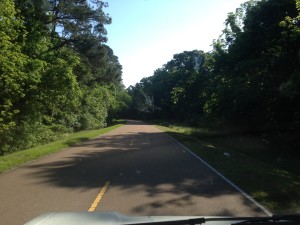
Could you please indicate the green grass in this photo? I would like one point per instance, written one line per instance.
(266, 172)
(16, 159)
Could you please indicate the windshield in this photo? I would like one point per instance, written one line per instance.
(143, 108)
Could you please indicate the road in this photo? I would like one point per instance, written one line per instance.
(148, 174)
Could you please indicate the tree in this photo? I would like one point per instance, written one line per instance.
(78, 23)
(251, 68)
(56, 74)
(14, 67)
(250, 79)
(120, 105)
(174, 91)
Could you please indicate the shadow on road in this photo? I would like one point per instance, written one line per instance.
(147, 161)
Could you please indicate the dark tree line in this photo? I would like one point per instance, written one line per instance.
(56, 73)
(250, 79)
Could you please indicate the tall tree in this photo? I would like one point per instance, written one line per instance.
(56, 74)
(18, 74)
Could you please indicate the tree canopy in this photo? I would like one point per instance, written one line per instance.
(56, 73)
(250, 78)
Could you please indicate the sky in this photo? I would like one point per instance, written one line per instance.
(145, 34)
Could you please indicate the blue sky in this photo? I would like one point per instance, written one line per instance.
(145, 34)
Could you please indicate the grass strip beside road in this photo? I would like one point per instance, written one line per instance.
(16, 159)
(271, 179)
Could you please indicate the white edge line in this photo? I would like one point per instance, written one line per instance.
(224, 178)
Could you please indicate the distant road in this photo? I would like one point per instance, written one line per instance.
(135, 170)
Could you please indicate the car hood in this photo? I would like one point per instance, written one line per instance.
(104, 218)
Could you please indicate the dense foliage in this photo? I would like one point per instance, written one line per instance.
(56, 73)
(250, 79)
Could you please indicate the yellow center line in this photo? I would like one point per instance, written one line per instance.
(98, 198)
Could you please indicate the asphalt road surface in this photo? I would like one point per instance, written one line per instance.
(135, 170)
